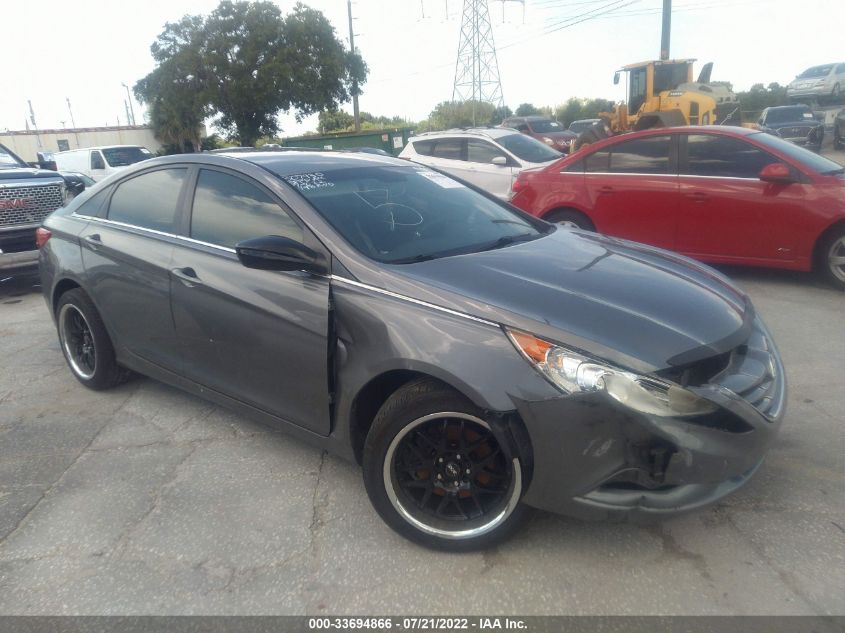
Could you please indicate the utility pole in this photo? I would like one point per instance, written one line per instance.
(34, 124)
(355, 111)
(126, 107)
(667, 29)
(72, 122)
(131, 107)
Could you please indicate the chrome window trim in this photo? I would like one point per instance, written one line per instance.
(124, 225)
(610, 173)
(401, 297)
(342, 280)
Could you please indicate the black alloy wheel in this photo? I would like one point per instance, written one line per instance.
(436, 473)
(85, 342)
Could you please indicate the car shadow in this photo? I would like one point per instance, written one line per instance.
(15, 285)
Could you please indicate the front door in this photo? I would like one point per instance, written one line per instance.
(485, 174)
(258, 336)
(727, 213)
(633, 190)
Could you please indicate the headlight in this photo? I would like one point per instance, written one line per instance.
(572, 372)
(548, 140)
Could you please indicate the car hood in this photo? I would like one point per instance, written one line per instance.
(795, 123)
(25, 173)
(563, 135)
(641, 307)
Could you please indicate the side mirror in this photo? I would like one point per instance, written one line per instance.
(616, 78)
(501, 161)
(776, 172)
(274, 252)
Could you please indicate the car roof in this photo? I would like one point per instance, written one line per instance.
(490, 132)
(725, 130)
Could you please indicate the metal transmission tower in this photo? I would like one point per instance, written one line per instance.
(477, 69)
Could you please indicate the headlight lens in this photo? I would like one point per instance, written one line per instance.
(548, 140)
(575, 373)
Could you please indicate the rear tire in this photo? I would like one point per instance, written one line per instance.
(435, 473)
(831, 258)
(569, 218)
(85, 342)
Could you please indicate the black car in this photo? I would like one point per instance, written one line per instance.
(474, 359)
(839, 130)
(796, 124)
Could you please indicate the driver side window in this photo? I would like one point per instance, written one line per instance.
(482, 152)
(228, 210)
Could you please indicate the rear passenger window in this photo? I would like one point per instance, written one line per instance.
(149, 200)
(228, 210)
(93, 206)
(451, 148)
(713, 155)
(424, 148)
(641, 156)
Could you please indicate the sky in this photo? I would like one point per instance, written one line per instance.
(548, 50)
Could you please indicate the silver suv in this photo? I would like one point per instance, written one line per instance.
(489, 158)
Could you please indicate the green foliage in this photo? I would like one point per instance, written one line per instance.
(449, 114)
(527, 109)
(759, 97)
(576, 108)
(246, 63)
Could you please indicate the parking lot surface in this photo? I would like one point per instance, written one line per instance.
(145, 500)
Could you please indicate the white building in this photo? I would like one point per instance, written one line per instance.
(26, 143)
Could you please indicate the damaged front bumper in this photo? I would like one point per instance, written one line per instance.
(597, 459)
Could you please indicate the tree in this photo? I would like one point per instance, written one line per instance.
(449, 114)
(334, 120)
(527, 109)
(177, 105)
(246, 63)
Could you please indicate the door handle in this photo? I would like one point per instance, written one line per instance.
(188, 276)
(698, 196)
(605, 190)
(94, 241)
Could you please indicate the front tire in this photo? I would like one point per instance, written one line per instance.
(831, 258)
(85, 342)
(436, 474)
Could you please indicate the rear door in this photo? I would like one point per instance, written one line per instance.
(632, 188)
(495, 179)
(258, 336)
(727, 213)
(127, 262)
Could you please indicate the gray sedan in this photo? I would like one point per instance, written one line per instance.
(475, 360)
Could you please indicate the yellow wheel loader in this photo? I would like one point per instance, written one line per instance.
(662, 94)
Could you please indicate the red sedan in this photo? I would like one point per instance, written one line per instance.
(719, 194)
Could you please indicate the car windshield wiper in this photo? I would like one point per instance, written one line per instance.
(416, 258)
(507, 240)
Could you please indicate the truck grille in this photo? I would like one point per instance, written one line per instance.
(28, 204)
(794, 132)
(753, 374)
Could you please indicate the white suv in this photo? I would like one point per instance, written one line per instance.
(489, 158)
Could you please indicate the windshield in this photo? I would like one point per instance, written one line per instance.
(816, 71)
(788, 115)
(805, 157)
(8, 160)
(123, 156)
(542, 127)
(398, 215)
(527, 148)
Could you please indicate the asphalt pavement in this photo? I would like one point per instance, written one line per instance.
(145, 500)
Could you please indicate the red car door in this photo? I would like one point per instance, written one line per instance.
(727, 213)
(632, 189)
